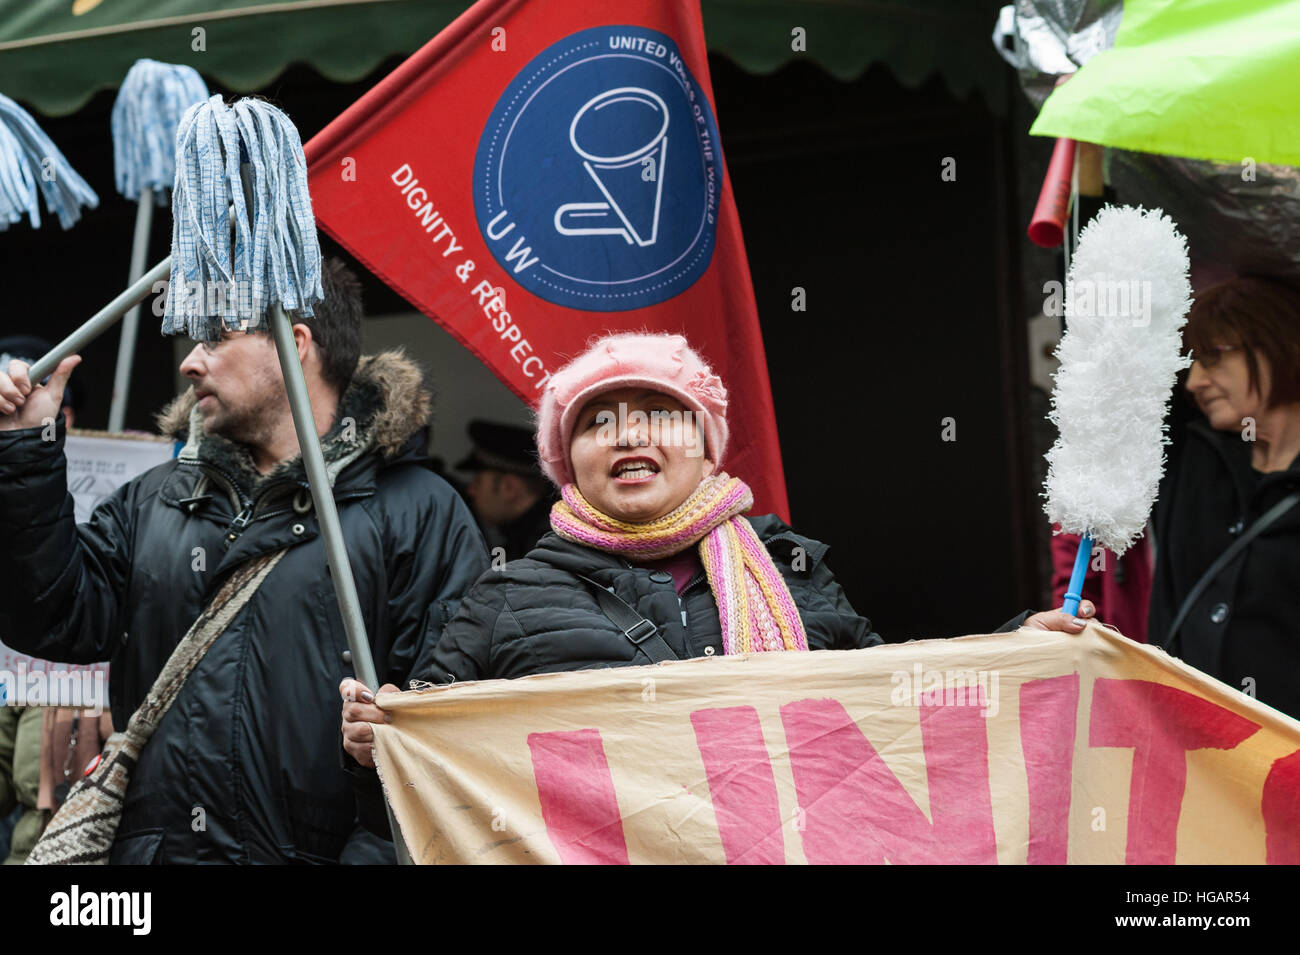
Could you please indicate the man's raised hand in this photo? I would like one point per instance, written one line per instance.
(25, 406)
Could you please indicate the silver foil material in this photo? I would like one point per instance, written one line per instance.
(1045, 39)
(1240, 217)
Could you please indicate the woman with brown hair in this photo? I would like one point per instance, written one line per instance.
(1226, 594)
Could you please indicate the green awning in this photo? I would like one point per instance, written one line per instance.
(56, 54)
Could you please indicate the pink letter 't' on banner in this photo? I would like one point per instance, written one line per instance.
(1160, 724)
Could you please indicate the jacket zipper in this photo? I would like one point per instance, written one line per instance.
(249, 512)
(237, 526)
(245, 509)
(236, 499)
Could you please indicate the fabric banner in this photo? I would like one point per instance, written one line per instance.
(98, 464)
(1203, 79)
(1030, 747)
(541, 173)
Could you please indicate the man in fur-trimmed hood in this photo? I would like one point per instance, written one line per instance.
(246, 766)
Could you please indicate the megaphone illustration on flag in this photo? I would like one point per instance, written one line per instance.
(630, 179)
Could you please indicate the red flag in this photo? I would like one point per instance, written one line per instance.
(541, 173)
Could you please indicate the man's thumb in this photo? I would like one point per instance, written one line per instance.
(59, 380)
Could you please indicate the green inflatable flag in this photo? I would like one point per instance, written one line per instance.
(1204, 79)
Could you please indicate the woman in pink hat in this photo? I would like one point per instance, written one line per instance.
(650, 557)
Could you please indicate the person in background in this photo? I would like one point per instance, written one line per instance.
(508, 492)
(1235, 462)
(23, 811)
(20, 775)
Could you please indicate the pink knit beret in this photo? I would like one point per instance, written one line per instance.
(662, 362)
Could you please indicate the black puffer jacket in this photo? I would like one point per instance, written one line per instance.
(1246, 626)
(247, 765)
(536, 615)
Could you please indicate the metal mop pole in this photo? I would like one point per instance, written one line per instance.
(101, 321)
(345, 588)
(126, 344)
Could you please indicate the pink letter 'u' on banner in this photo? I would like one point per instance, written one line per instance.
(1048, 713)
(856, 811)
(741, 784)
(1160, 724)
(577, 796)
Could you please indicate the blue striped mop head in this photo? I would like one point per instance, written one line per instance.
(217, 283)
(28, 161)
(148, 108)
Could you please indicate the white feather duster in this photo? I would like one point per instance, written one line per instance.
(1126, 302)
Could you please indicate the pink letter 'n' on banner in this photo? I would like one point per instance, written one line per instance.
(856, 811)
(741, 784)
(1280, 807)
(1160, 724)
(577, 797)
(1048, 711)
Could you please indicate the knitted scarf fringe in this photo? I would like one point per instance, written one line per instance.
(754, 604)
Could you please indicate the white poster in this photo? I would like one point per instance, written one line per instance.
(98, 464)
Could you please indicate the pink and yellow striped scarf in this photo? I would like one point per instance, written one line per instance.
(754, 603)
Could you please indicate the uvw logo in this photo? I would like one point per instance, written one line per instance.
(574, 190)
(611, 173)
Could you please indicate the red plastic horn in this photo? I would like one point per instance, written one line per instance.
(1047, 227)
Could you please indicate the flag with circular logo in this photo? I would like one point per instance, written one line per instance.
(539, 174)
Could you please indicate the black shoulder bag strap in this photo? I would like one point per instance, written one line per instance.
(1255, 529)
(643, 634)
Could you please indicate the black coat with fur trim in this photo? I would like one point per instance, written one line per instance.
(246, 766)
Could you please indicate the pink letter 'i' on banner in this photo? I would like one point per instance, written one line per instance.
(1048, 712)
(741, 784)
(856, 811)
(1160, 724)
(577, 796)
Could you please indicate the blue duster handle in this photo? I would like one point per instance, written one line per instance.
(1074, 593)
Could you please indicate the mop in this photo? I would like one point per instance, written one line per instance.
(29, 161)
(148, 108)
(1126, 302)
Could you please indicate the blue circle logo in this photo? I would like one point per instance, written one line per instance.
(598, 176)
